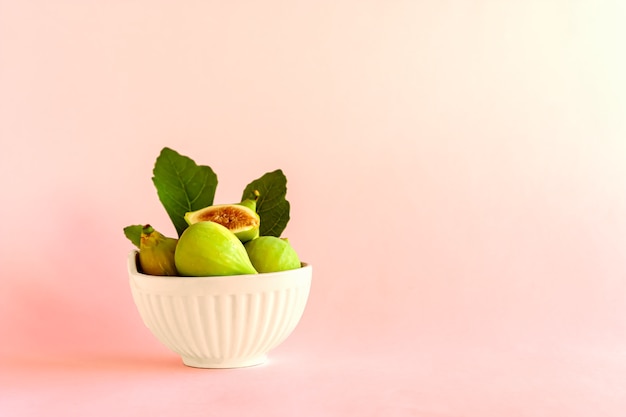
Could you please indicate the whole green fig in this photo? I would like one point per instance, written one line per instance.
(272, 254)
(251, 202)
(156, 253)
(209, 249)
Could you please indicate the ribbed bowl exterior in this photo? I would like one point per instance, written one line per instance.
(221, 322)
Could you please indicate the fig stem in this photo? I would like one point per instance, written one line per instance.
(147, 229)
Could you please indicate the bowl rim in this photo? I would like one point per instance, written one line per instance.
(134, 271)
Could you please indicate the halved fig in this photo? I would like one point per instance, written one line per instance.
(239, 219)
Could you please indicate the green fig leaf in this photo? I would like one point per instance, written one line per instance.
(272, 206)
(133, 233)
(182, 186)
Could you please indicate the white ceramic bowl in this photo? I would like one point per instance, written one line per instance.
(221, 322)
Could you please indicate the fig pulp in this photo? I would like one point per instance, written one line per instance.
(209, 249)
(156, 253)
(272, 254)
(240, 219)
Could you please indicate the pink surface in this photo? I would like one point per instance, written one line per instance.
(457, 179)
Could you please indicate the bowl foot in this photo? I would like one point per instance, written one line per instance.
(224, 363)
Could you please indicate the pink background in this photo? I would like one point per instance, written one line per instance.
(457, 175)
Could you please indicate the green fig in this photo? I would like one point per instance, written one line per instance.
(272, 254)
(241, 219)
(208, 249)
(251, 203)
(156, 252)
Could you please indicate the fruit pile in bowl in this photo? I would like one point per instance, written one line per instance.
(229, 288)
